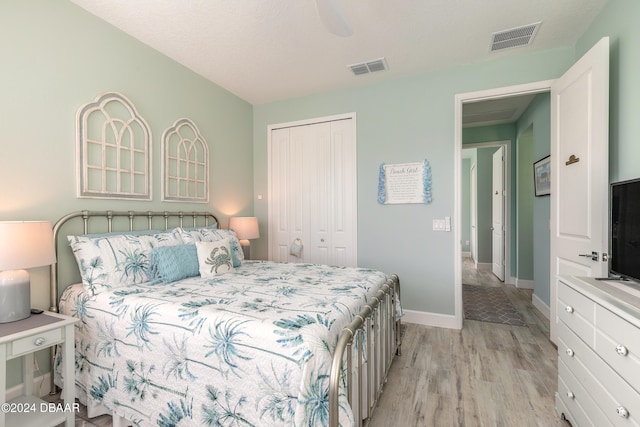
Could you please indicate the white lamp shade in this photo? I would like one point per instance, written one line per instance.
(26, 244)
(246, 227)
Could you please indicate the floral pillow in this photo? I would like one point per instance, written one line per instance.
(214, 258)
(205, 234)
(112, 261)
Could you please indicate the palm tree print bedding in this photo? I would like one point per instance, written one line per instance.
(247, 348)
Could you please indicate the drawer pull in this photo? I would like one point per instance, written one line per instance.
(622, 411)
(570, 395)
(570, 352)
(39, 341)
(569, 309)
(622, 350)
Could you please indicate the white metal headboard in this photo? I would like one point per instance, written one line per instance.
(134, 220)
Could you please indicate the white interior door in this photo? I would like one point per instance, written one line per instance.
(497, 215)
(474, 215)
(580, 170)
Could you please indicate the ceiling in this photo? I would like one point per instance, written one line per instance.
(270, 50)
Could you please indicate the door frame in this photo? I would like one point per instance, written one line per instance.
(459, 100)
(507, 173)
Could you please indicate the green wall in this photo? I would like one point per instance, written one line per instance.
(401, 121)
(620, 21)
(57, 57)
(524, 203)
(535, 126)
(465, 208)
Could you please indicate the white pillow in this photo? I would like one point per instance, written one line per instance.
(214, 258)
(112, 261)
(207, 234)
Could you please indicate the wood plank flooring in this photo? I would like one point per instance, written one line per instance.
(486, 374)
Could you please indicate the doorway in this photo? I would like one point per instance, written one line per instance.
(460, 101)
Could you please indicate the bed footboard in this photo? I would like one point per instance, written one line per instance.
(369, 342)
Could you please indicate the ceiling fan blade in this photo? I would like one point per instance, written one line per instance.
(333, 17)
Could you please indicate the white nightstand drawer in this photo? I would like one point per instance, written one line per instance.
(618, 343)
(36, 342)
(578, 312)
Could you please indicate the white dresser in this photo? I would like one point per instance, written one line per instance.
(598, 353)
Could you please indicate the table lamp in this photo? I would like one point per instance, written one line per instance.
(246, 228)
(23, 244)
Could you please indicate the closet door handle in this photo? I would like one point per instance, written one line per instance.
(569, 309)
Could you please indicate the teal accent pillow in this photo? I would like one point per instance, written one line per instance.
(171, 263)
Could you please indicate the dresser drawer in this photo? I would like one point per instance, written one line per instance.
(618, 343)
(576, 400)
(577, 312)
(607, 390)
(35, 342)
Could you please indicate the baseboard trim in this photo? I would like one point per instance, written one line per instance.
(525, 284)
(430, 319)
(41, 387)
(484, 266)
(541, 306)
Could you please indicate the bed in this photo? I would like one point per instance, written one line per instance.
(261, 344)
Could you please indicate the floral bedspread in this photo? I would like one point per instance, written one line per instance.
(250, 348)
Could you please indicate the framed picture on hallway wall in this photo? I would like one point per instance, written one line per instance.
(542, 176)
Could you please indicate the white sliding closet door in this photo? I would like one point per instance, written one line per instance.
(312, 191)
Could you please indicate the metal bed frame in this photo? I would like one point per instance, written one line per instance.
(369, 342)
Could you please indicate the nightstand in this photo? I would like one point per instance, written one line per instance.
(22, 339)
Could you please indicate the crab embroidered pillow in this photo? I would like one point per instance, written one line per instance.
(214, 258)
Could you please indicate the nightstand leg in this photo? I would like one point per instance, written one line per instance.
(3, 379)
(27, 374)
(69, 383)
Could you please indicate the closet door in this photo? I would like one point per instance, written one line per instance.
(312, 185)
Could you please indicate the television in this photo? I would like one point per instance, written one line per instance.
(625, 230)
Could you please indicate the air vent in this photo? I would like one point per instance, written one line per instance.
(514, 37)
(369, 66)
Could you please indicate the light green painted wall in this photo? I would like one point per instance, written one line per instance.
(538, 118)
(524, 203)
(56, 57)
(620, 21)
(405, 120)
(465, 208)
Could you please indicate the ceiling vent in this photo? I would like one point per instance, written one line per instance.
(514, 37)
(379, 64)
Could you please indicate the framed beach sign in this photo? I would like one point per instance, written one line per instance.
(404, 183)
(542, 176)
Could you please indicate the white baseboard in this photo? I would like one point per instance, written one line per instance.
(41, 387)
(484, 266)
(541, 306)
(430, 319)
(525, 284)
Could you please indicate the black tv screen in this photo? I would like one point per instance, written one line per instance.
(625, 229)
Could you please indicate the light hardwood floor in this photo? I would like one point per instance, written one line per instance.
(486, 374)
